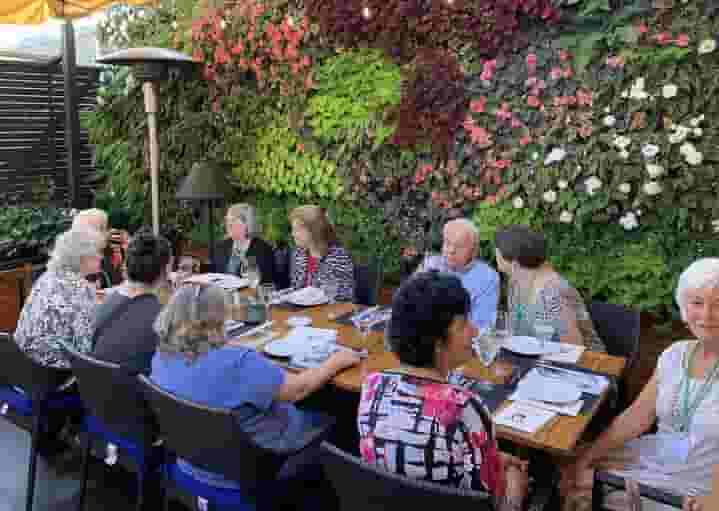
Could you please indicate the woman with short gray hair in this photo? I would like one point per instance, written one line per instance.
(232, 255)
(59, 310)
(682, 398)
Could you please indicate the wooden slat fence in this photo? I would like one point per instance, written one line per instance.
(33, 155)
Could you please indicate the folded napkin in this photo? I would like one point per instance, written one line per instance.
(568, 354)
(523, 417)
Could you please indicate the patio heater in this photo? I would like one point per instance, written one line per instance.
(206, 183)
(151, 66)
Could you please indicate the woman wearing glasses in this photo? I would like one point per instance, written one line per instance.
(195, 362)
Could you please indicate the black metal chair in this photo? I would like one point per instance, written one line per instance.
(283, 267)
(118, 416)
(619, 327)
(209, 438)
(604, 479)
(364, 487)
(368, 281)
(31, 391)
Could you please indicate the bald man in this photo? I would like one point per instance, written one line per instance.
(460, 246)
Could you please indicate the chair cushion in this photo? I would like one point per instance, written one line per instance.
(129, 446)
(218, 497)
(22, 404)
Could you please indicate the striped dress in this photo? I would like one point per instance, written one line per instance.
(336, 266)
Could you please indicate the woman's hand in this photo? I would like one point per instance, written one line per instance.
(516, 475)
(696, 504)
(573, 474)
(342, 359)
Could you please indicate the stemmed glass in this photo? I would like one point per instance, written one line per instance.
(252, 273)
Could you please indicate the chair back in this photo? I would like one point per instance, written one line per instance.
(380, 490)
(17, 369)
(283, 267)
(619, 327)
(19, 282)
(211, 439)
(368, 280)
(112, 395)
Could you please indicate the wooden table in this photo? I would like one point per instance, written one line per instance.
(558, 437)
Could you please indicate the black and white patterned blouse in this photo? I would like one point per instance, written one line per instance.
(59, 310)
(336, 266)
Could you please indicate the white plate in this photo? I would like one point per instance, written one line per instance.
(299, 321)
(284, 348)
(551, 392)
(530, 346)
(307, 296)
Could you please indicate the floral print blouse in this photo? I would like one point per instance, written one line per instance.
(60, 309)
(429, 430)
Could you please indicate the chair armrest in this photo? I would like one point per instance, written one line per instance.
(656, 494)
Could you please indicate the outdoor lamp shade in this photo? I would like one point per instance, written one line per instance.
(206, 181)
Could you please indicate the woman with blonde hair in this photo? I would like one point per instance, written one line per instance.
(318, 259)
(232, 255)
(194, 362)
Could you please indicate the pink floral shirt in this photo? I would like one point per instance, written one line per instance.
(429, 430)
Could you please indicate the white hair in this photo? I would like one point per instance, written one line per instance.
(85, 218)
(71, 246)
(702, 273)
(244, 213)
(468, 226)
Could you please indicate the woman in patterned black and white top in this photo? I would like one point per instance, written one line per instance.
(318, 258)
(60, 308)
(538, 293)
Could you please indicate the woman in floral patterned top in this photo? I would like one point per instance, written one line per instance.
(60, 307)
(412, 422)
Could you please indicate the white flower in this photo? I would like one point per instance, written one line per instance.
(694, 121)
(607, 109)
(707, 46)
(622, 142)
(100, 100)
(592, 184)
(669, 91)
(535, 155)
(652, 188)
(715, 225)
(174, 25)
(679, 133)
(654, 170)
(518, 203)
(687, 148)
(639, 212)
(625, 188)
(550, 196)
(566, 217)
(562, 184)
(624, 154)
(223, 24)
(697, 132)
(637, 89)
(555, 155)
(609, 121)
(650, 150)
(629, 221)
(625, 94)
(694, 158)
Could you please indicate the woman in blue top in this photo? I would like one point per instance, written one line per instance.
(194, 362)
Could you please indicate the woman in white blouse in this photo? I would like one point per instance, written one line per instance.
(682, 397)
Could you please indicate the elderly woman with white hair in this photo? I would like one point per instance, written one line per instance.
(60, 308)
(682, 397)
(232, 254)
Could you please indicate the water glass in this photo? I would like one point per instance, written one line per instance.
(364, 325)
(503, 325)
(487, 347)
(544, 331)
(265, 293)
(252, 273)
(330, 290)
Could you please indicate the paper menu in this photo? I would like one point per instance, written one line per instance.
(523, 417)
(569, 354)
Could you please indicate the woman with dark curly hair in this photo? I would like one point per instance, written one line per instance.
(412, 421)
(194, 362)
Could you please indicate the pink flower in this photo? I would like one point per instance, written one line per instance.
(516, 123)
(479, 136)
(533, 101)
(682, 40)
(525, 140)
(491, 199)
(567, 72)
(615, 61)
(643, 28)
(531, 81)
(663, 38)
(488, 70)
(531, 63)
(584, 97)
(555, 73)
(541, 85)
(564, 55)
(502, 164)
(585, 131)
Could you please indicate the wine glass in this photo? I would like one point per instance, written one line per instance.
(252, 273)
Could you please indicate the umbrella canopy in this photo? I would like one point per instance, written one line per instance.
(34, 12)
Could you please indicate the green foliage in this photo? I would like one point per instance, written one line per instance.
(34, 227)
(283, 166)
(490, 218)
(354, 91)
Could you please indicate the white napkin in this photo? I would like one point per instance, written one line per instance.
(524, 417)
(530, 389)
(569, 353)
(223, 280)
(590, 383)
(307, 296)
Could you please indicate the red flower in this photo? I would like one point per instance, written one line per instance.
(491, 199)
(663, 38)
(198, 55)
(564, 55)
(306, 62)
(502, 164)
(477, 106)
(584, 97)
(567, 72)
(525, 140)
(238, 48)
(531, 63)
(643, 28)
(516, 123)
(533, 101)
(221, 55)
(682, 40)
(300, 147)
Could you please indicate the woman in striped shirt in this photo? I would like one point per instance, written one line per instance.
(318, 258)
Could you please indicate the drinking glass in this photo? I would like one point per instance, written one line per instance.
(252, 272)
(330, 289)
(544, 330)
(503, 325)
(364, 325)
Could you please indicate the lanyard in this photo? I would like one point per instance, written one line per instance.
(687, 406)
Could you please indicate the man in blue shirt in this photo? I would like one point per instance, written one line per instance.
(460, 246)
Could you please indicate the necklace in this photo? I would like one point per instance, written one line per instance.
(688, 405)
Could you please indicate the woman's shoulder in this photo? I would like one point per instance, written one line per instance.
(678, 348)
